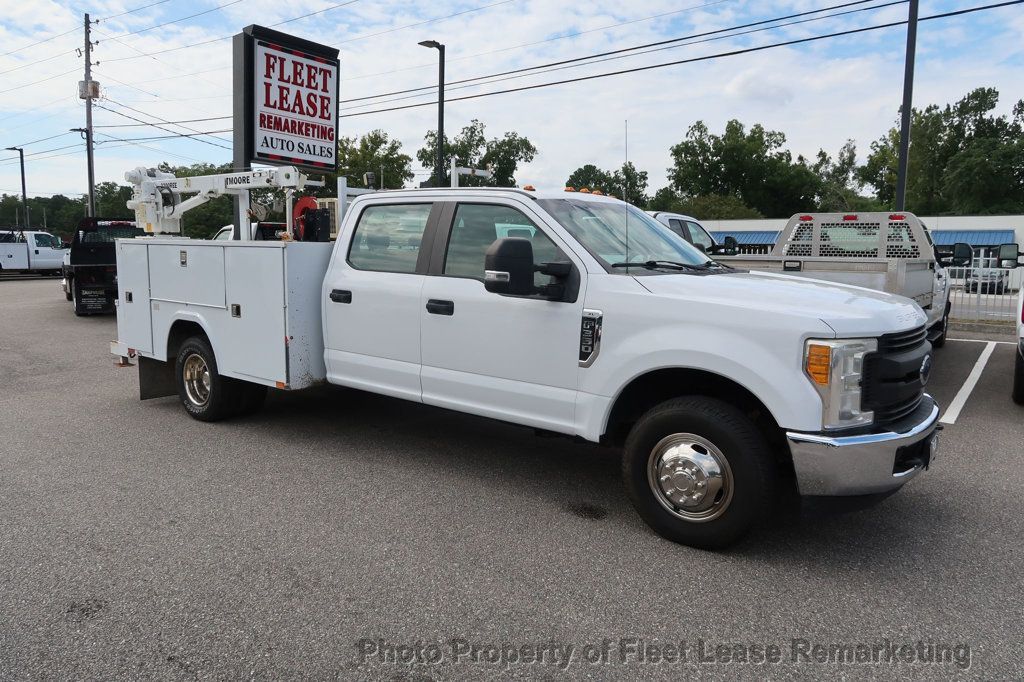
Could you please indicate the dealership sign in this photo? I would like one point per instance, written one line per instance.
(286, 100)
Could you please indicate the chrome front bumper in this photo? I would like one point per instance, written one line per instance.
(867, 463)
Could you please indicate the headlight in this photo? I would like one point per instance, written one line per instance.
(835, 368)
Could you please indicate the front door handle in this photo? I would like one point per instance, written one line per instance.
(438, 307)
(341, 296)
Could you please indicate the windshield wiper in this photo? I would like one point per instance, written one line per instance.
(655, 264)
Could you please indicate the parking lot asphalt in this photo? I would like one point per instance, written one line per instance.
(138, 543)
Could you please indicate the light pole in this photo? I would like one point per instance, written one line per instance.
(908, 102)
(24, 195)
(439, 170)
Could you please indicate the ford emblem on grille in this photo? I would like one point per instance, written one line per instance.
(926, 368)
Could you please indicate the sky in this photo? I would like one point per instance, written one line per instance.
(818, 93)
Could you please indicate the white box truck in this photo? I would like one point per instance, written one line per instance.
(570, 313)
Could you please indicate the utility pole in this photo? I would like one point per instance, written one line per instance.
(908, 101)
(87, 92)
(24, 194)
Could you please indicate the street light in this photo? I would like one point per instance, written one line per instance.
(439, 171)
(24, 195)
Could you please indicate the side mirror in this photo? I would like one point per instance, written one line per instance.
(1009, 256)
(730, 247)
(508, 267)
(963, 254)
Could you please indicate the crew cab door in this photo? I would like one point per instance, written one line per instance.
(507, 357)
(45, 252)
(372, 295)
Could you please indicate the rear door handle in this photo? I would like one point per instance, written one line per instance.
(438, 307)
(341, 296)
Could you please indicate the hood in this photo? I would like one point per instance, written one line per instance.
(849, 310)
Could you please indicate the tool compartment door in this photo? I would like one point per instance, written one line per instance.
(134, 315)
(252, 339)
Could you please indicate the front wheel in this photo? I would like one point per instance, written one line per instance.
(940, 340)
(699, 472)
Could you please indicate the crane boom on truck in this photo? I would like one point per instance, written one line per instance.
(156, 195)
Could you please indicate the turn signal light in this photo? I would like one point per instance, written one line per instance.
(819, 361)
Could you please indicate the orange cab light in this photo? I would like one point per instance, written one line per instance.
(570, 189)
(529, 188)
(584, 190)
(819, 362)
(806, 218)
(597, 191)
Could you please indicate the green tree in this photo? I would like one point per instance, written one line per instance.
(705, 206)
(750, 166)
(112, 201)
(375, 152)
(963, 159)
(472, 149)
(590, 176)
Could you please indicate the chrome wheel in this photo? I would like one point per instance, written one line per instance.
(690, 477)
(197, 379)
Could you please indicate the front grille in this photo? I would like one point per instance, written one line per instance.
(891, 386)
(901, 341)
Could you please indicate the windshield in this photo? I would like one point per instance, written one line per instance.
(621, 233)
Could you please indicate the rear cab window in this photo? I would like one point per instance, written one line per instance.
(388, 237)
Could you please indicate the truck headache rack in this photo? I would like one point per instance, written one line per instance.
(834, 235)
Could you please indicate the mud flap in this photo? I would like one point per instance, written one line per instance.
(156, 379)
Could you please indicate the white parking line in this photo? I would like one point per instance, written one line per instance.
(953, 411)
(1002, 343)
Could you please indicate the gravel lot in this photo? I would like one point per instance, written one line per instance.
(136, 542)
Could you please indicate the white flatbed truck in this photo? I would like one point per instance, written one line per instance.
(569, 313)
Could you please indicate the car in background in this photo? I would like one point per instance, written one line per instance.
(30, 251)
(987, 280)
(90, 265)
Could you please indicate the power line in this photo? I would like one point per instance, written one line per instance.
(154, 125)
(42, 139)
(215, 40)
(132, 143)
(187, 120)
(179, 19)
(161, 120)
(424, 23)
(38, 61)
(540, 42)
(168, 137)
(634, 48)
(37, 82)
(691, 60)
(40, 42)
(319, 11)
(131, 11)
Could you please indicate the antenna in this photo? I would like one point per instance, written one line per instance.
(625, 186)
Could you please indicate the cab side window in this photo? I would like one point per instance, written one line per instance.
(676, 226)
(387, 237)
(476, 226)
(698, 237)
(45, 241)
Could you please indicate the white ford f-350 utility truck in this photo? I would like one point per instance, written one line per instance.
(569, 313)
(30, 251)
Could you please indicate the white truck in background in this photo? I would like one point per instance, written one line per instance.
(31, 251)
(572, 314)
(891, 252)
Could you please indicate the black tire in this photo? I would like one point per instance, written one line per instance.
(750, 472)
(940, 340)
(251, 397)
(209, 402)
(1018, 379)
(74, 302)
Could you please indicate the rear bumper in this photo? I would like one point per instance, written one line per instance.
(867, 463)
